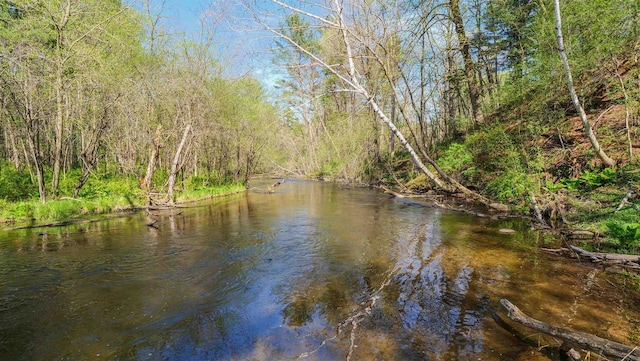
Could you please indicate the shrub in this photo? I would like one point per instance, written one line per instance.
(627, 235)
(589, 181)
(511, 186)
(15, 184)
(457, 161)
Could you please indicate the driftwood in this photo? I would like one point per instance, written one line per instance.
(610, 349)
(272, 188)
(537, 210)
(626, 260)
(389, 191)
(625, 201)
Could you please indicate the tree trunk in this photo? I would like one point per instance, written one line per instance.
(392, 137)
(151, 167)
(469, 65)
(59, 120)
(58, 126)
(37, 166)
(174, 166)
(574, 96)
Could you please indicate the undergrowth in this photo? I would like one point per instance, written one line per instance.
(102, 194)
(496, 163)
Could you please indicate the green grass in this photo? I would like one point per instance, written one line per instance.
(209, 192)
(101, 195)
(63, 209)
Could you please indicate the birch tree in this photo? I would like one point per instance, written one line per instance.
(348, 73)
(572, 91)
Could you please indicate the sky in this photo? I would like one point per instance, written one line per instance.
(242, 47)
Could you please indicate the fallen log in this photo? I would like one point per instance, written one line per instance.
(273, 187)
(610, 349)
(601, 257)
(389, 191)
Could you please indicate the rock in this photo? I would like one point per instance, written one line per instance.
(499, 207)
(507, 231)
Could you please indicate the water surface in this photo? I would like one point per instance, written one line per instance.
(311, 272)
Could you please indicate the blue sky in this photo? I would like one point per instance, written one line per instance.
(242, 47)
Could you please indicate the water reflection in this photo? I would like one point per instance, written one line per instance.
(311, 272)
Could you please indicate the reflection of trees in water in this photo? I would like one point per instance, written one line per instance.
(423, 310)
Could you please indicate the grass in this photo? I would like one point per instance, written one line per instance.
(100, 196)
(209, 192)
(63, 208)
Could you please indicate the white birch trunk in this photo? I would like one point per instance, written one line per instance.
(574, 96)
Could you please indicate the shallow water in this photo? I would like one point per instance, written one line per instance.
(310, 272)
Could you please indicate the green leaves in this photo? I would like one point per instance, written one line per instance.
(588, 180)
(628, 234)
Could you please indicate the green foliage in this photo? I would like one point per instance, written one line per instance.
(589, 46)
(627, 235)
(511, 186)
(329, 169)
(111, 186)
(15, 184)
(102, 195)
(512, 21)
(206, 192)
(500, 166)
(588, 180)
(457, 161)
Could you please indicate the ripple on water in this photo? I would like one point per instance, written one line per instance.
(311, 271)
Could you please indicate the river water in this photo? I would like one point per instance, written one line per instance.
(311, 272)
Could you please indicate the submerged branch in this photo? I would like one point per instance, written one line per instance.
(601, 346)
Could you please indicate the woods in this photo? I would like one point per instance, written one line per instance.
(470, 97)
(89, 93)
(501, 109)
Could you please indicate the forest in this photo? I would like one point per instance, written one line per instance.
(529, 106)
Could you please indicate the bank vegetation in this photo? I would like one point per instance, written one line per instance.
(102, 109)
(525, 105)
(529, 104)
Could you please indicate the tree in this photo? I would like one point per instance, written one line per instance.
(572, 91)
(510, 21)
(350, 76)
(469, 64)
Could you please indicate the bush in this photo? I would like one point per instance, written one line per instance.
(627, 235)
(511, 186)
(589, 181)
(457, 161)
(15, 184)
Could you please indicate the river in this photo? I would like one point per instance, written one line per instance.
(311, 272)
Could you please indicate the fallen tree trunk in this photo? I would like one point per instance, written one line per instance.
(601, 346)
(610, 258)
(389, 191)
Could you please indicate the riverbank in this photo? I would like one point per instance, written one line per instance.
(66, 208)
(548, 172)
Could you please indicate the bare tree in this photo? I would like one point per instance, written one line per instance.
(349, 75)
(174, 165)
(574, 96)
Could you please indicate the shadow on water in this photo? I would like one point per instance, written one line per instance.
(310, 272)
